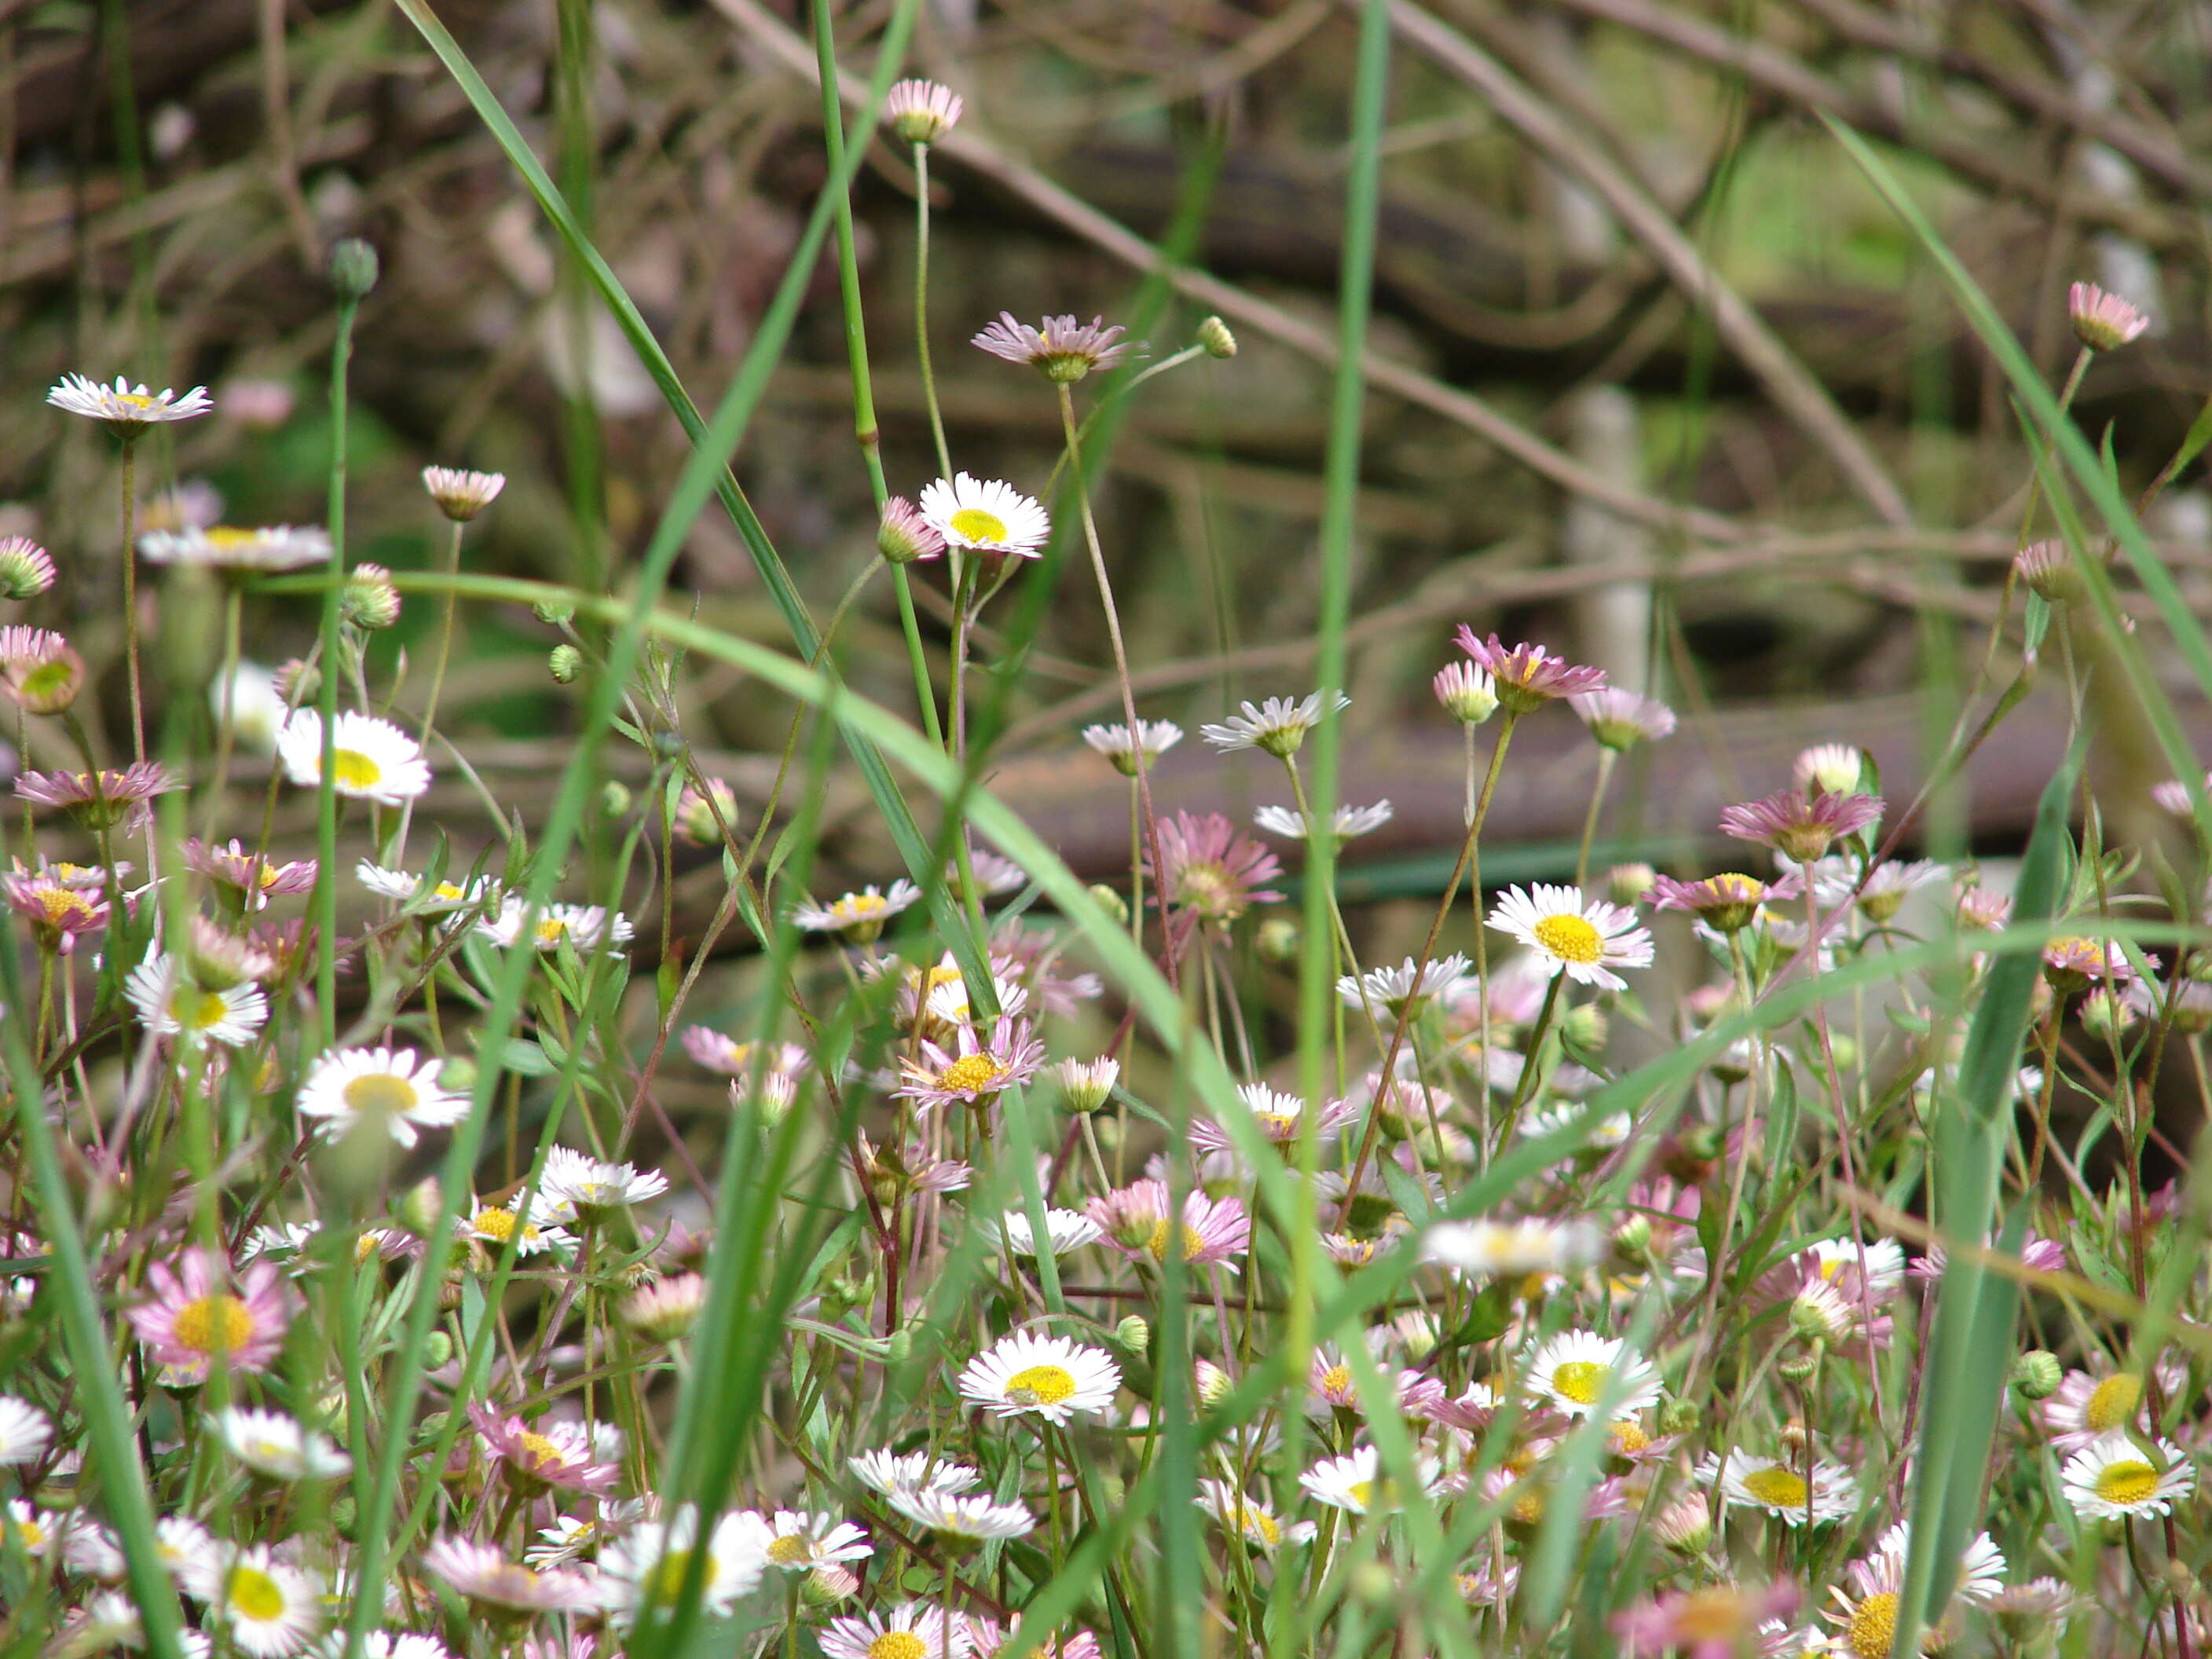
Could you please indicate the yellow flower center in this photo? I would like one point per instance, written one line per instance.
(1193, 1241)
(1715, 1615)
(1528, 1505)
(2111, 1402)
(1258, 1524)
(539, 1452)
(31, 1535)
(791, 1550)
(448, 891)
(356, 770)
(213, 1322)
(2126, 1483)
(1629, 1437)
(974, 525)
(977, 1072)
(1040, 1385)
(1336, 1379)
(1872, 1626)
(132, 399)
(195, 1009)
(59, 904)
(1277, 1126)
(898, 1645)
(224, 535)
(382, 1093)
(668, 1576)
(1361, 1493)
(1776, 1488)
(858, 906)
(495, 1224)
(550, 929)
(1731, 885)
(1580, 1380)
(1569, 938)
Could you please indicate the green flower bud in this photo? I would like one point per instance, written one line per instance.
(2036, 1374)
(564, 663)
(1678, 1416)
(615, 799)
(553, 612)
(1213, 334)
(353, 270)
(1277, 940)
(1134, 1335)
(1112, 903)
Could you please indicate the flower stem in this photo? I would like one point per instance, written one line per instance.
(921, 309)
(1606, 757)
(326, 696)
(131, 598)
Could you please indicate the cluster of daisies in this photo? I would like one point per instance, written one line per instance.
(1045, 1303)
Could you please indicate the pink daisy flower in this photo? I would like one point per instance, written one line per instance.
(1060, 348)
(59, 912)
(482, 1573)
(1134, 1219)
(2090, 1404)
(1208, 871)
(922, 111)
(1621, 719)
(2074, 963)
(1801, 825)
(975, 1072)
(101, 800)
(568, 1455)
(195, 1317)
(1527, 677)
(1727, 902)
(254, 879)
(2102, 321)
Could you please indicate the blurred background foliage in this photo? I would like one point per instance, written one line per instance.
(1791, 517)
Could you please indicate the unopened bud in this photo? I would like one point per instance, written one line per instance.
(1210, 1383)
(419, 1210)
(2037, 1374)
(1277, 940)
(615, 799)
(438, 1349)
(553, 612)
(1633, 1238)
(1678, 1416)
(297, 682)
(699, 817)
(903, 536)
(369, 601)
(1799, 1366)
(1089, 1084)
(353, 270)
(25, 570)
(1627, 883)
(458, 1073)
(1213, 334)
(564, 663)
(1115, 907)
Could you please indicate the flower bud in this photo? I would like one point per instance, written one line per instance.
(1468, 694)
(438, 1349)
(903, 536)
(353, 270)
(369, 600)
(26, 571)
(418, 1211)
(1626, 883)
(553, 612)
(1678, 1416)
(1112, 903)
(458, 1073)
(1213, 334)
(699, 817)
(1633, 1238)
(1210, 1384)
(2037, 1374)
(1277, 940)
(615, 799)
(1088, 1084)
(295, 684)
(1798, 1366)
(564, 663)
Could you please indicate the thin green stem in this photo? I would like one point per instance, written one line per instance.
(131, 598)
(1606, 758)
(921, 305)
(226, 714)
(326, 698)
(446, 618)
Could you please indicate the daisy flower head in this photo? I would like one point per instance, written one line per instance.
(127, 409)
(568, 1456)
(1208, 871)
(460, 495)
(666, 1310)
(1803, 826)
(197, 1317)
(237, 552)
(1280, 1118)
(101, 800)
(586, 1188)
(1250, 1517)
(385, 1090)
(649, 1563)
(1782, 1488)
(985, 515)
(252, 880)
(964, 1518)
(1153, 739)
(1527, 677)
(2087, 1406)
(2102, 321)
(2074, 963)
(1711, 1621)
(886, 1472)
(1574, 1369)
(858, 916)
(26, 569)
(1467, 693)
(1505, 1250)
(1134, 1220)
(1981, 1563)
(25, 1431)
(170, 1003)
(1727, 902)
(585, 928)
(2055, 575)
(1278, 726)
(1065, 1230)
(374, 759)
(271, 1443)
(60, 913)
(799, 1540)
(424, 896)
(1345, 823)
(1049, 1377)
(922, 111)
(40, 668)
(903, 536)
(911, 1631)
(1060, 348)
(719, 1052)
(1828, 768)
(975, 1072)
(2116, 1478)
(1883, 893)
(1409, 985)
(269, 1608)
(1585, 940)
(482, 1575)
(1355, 1481)
(1088, 1084)
(498, 1226)
(1621, 719)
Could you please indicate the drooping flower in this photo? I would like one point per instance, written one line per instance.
(197, 1316)
(1210, 873)
(1726, 903)
(1527, 677)
(986, 515)
(1060, 348)
(101, 800)
(374, 759)
(1048, 1376)
(1278, 726)
(40, 668)
(128, 410)
(1800, 824)
(1345, 822)
(2102, 321)
(1584, 940)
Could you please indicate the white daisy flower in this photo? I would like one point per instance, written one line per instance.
(1782, 1489)
(495, 1225)
(585, 927)
(987, 514)
(887, 1472)
(128, 410)
(1392, 989)
(1585, 941)
(2115, 1478)
(1355, 1481)
(1575, 1368)
(1981, 1563)
(1505, 1250)
(271, 1443)
(973, 1516)
(859, 915)
(386, 1088)
(1153, 738)
(574, 1182)
(439, 899)
(1599, 1133)
(170, 1004)
(1345, 822)
(271, 1609)
(184, 1548)
(796, 1541)
(1066, 1230)
(25, 1431)
(647, 1564)
(461, 495)
(1881, 1260)
(914, 1630)
(374, 759)
(1049, 1376)
(1249, 1517)
(1278, 726)
(257, 708)
(221, 547)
